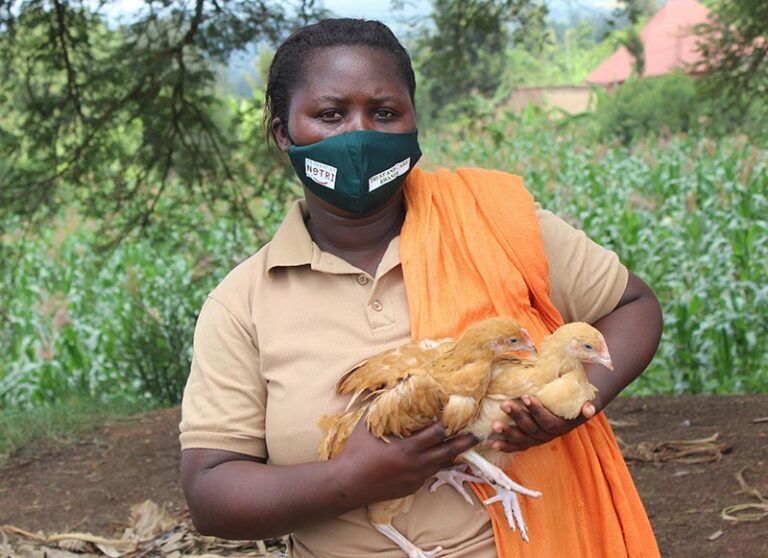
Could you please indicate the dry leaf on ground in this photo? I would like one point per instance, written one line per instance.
(152, 532)
(701, 450)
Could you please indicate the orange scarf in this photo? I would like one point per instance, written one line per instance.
(471, 248)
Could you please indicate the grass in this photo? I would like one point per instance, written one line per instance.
(61, 422)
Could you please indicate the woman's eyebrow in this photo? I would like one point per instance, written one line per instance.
(385, 99)
(328, 99)
(341, 100)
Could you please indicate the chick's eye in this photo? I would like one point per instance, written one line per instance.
(512, 340)
(589, 347)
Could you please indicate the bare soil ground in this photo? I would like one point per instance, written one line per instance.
(90, 485)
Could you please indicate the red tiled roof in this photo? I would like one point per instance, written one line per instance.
(668, 41)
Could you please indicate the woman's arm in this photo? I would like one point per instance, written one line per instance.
(236, 496)
(632, 331)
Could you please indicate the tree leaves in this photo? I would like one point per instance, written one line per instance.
(735, 56)
(107, 113)
(464, 46)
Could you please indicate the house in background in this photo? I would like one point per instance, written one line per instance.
(669, 44)
(572, 99)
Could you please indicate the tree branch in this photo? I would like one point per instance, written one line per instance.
(63, 34)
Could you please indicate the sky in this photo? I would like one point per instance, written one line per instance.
(382, 9)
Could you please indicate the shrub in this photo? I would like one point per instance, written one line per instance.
(640, 107)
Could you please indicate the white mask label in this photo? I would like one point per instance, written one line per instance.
(323, 174)
(389, 175)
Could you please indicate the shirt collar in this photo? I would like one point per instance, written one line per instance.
(291, 245)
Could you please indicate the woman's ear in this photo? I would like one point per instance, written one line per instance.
(280, 133)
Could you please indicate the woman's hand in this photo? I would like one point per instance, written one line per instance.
(534, 424)
(370, 469)
(632, 330)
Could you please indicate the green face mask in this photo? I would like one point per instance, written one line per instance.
(356, 171)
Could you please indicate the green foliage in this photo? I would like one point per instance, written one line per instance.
(110, 326)
(634, 45)
(735, 59)
(687, 214)
(564, 59)
(462, 48)
(77, 320)
(640, 107)
(635, 10)
(128, 107)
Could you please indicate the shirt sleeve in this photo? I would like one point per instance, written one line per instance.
(225, 397)
(586, 280)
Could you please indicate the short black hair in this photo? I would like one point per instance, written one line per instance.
(287, 67)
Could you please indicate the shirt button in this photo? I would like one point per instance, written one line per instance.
(377, 306)
(362, 279)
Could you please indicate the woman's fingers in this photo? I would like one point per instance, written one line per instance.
(545, 420)
(444, 454)
(588, 410)
(525, 423)
(534, 424)
(429, 436)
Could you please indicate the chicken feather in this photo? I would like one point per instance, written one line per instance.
(386, 369)
(409, 390)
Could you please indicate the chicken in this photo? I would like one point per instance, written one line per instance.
(558, 380)
(463, 372)
(413, 386)
(556, 376)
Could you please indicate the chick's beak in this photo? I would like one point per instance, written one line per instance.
(528, 342)
(605, 359)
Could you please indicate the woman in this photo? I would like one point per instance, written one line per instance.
(329, 291)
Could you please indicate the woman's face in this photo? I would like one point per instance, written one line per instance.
(346, 89)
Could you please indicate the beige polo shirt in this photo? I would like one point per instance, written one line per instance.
(283, 326)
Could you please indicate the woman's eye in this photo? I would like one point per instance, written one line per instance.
(384, 114)
(330, 115)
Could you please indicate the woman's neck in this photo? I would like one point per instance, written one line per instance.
(362, 241)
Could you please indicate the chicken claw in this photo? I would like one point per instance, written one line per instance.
(512, 511)
(506, 489)
(493, 475)
(455, 477)
(407, 546)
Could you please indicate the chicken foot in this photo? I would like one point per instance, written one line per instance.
(512, 510)
(407, 546)
(455, 477)
(506, 489)
(493, 475)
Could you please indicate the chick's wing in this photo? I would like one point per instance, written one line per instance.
(387, 369)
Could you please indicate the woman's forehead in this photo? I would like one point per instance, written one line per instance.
(349, 71)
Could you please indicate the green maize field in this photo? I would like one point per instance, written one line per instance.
(688, 215)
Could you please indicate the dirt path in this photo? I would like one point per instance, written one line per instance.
(90, 485)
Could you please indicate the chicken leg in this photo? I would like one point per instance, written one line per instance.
(407, 546)
(506, 489)
(455, 477)
(493, 475)
(512, 510)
